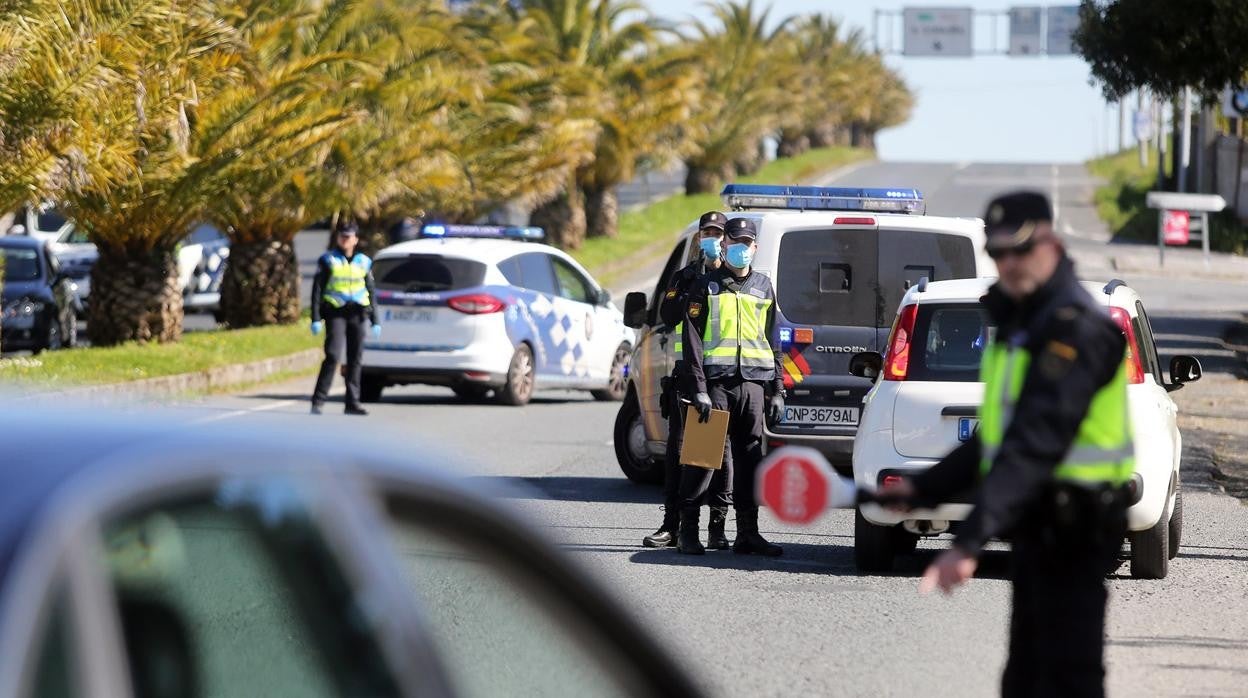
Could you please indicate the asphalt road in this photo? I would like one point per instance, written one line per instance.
(808, 623)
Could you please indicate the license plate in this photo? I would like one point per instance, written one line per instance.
(409, 315)
(967, 428)
(820, 416)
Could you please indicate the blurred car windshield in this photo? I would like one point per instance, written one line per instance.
(20, 264)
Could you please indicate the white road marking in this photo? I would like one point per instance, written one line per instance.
(250, 410)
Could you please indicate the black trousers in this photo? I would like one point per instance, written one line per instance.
(671, 457)
(1057, 623)
(345, 329)
(743, 450)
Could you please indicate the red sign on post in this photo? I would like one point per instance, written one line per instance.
(794, 483)
(1176, 227)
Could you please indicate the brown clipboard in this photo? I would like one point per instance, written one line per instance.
(703, 442)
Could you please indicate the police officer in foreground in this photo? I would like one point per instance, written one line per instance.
(1050, 461)
(672, 313)
(343, 298)
(730, 320)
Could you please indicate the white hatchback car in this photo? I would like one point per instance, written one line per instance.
(923, 406)
(485, 308)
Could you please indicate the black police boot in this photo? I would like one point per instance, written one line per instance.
(716, 540)
(689, 543)
(665, 537)
(749, 541)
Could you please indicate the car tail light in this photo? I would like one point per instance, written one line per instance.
(897, 358)
(775, 443)
(476, 304)
(1135, 370)
(476, 375)
(891, 480)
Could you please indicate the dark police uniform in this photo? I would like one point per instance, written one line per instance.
(672, 313)
(731, 354)
(1048, 466)
(343, 294)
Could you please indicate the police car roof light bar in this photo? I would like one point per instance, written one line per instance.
(497, 232)
(742, 196)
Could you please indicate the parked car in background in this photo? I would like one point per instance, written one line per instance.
(77, 256)
(38, 305)
(201, 266)
(147, 558)
(44, 222)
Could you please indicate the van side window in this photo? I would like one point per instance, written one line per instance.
(673, 265)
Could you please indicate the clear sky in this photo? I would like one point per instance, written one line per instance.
(982, 109)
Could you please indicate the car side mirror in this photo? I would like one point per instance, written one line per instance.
(866, 364)
(1185, 369)
(604, 296)
(635, 310)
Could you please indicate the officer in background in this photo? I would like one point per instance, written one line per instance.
(672, 312)
(343, 294)
(1050, 461)
(730, 323)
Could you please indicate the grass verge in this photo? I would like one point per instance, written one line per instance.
(198, 351)
(1120, 203)
(659, 222)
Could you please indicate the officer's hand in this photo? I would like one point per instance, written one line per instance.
(376, 331)
(775, 408)
(317, 327)
(949, 571)
(702, 402)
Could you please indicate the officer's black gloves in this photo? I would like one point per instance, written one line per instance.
(775, 408)
(702, 402)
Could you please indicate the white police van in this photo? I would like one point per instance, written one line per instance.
(841, 259)
(483, 309)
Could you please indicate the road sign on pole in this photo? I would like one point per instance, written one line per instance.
(938, 31)
(1176, 227)
(1026, 38)
(1063, 21)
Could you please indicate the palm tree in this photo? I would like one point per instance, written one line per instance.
(62, 67)
(637, 91)
(743, 94)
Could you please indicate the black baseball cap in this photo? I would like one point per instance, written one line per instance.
(1012, 219)
(741, 228)
(712, 219)
(346, 228)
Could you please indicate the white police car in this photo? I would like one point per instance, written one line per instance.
(485, 308)
(926, 403)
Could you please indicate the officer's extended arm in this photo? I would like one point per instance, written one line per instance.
(318, 286)
(672, 304)
(953, 475)
(1056, 395)
(773, 337)
(691, 335)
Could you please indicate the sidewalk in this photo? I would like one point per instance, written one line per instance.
(1138, 258)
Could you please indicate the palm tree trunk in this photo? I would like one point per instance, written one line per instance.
(563, 218)
(602, 212)
(135, 297)
(822, 136)
(702, 180)
(261, 284)
(750, 160)
(792, 143)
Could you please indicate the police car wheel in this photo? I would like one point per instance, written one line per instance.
(1150, 551)
(518, 389)
(630, 445)
(618, 386)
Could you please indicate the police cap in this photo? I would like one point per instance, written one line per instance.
(712, 219)
(1012, 219)
(741, 229)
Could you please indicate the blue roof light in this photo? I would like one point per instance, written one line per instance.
(499, 232)
(899, 200)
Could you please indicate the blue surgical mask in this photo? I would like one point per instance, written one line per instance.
(740, 255)
(710, 248)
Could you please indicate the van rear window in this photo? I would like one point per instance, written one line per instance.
(828, 277)
(953, 338)
(908, 255)
(427, 273)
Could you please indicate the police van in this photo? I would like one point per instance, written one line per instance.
(488, 309)
(840, 259)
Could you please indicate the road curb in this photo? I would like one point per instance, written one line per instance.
(165, 387)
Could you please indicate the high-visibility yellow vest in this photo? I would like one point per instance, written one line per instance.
(346, 282)
(1103, 451)
(736, 332)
